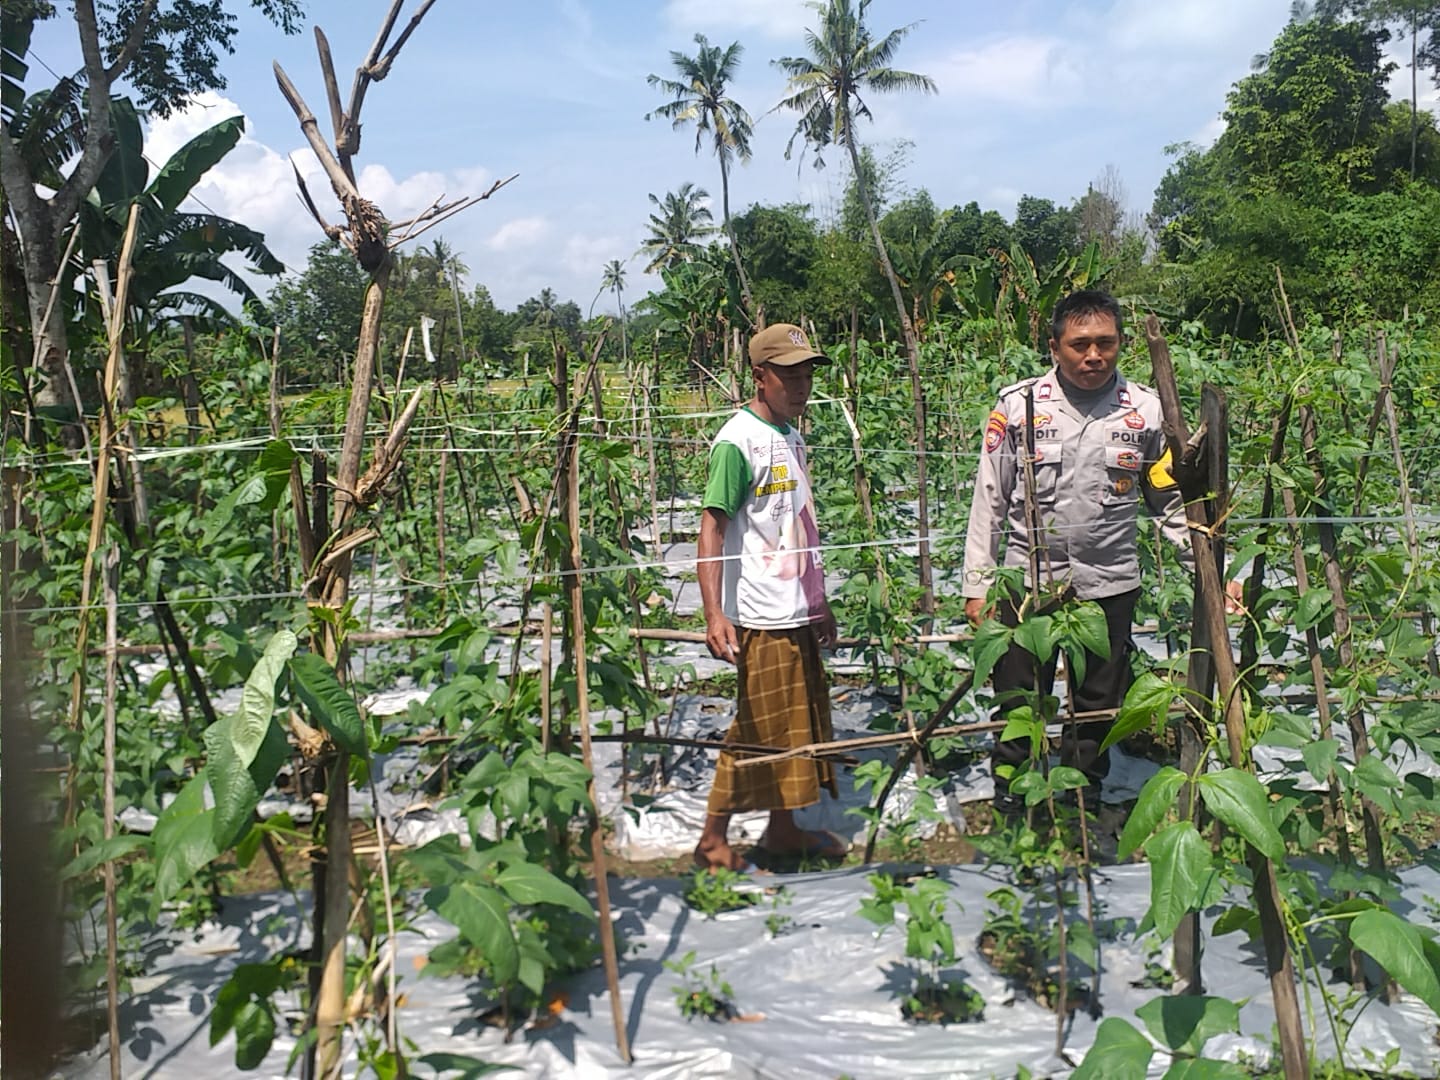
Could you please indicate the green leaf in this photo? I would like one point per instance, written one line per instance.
(1179, 869)
(1156, 799)
(1118, 1053)
(1184, 1023)
(125, 172)
(1319, 757)
(1237, 918)
(97, 854)
(482, 916)
(263, 488)
(526, 883)
(1376, 780)
(992, 641)
(254, 1034)
(467, 1067)
(1064, 778)
(1239, 800)
(442, 861)
(183, 839)
(330, 704)
(1408, 956)
(1020, 723)
(1205, 1069)
(1036, 635)
(1312, 608)
(247, 729)
(1148, 699)
(237, 788)
(192, 161)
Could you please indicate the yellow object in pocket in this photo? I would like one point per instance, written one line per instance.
(1160, 476)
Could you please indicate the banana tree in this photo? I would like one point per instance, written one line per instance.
(173, 247)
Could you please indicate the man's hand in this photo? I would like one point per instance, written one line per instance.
(976, 611)
(826, 632)
(720, 637)
(1234, 598)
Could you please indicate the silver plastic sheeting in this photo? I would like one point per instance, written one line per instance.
(821, 1000)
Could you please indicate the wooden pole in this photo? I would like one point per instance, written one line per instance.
(1339, 820)
(1387, 361)
(582, 703)
(1278, 964)
(1344, 644)
(112, 930)
(1200, 673)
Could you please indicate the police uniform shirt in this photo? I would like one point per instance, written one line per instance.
(1094, 457)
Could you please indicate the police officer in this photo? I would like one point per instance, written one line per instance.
(1097, 445)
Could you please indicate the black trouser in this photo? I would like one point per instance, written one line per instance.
(1104, 688)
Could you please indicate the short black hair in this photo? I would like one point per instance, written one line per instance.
(1083, 302)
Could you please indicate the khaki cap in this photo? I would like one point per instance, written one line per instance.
(784, 345)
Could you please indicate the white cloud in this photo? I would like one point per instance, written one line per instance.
(1028, 71)
(168, 135)
(1191, 25)
(771, 18)
(519, 233)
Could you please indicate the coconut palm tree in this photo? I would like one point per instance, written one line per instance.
(614, 280)
(828, 88)
(699, 96)
(683, 218)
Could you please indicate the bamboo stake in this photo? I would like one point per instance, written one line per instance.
(1344, 645)
(651, 395)
(112, 929)
(102, 486)
(1387, 362)
(1339, 820)
(582, 701)
(1278, 963)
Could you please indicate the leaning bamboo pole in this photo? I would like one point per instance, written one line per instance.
(103, 454)
(576, 589)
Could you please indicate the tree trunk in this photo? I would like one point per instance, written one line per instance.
(746, 301)
(917, 389)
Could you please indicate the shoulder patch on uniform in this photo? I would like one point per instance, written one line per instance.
(1018, 386)
(995, 431)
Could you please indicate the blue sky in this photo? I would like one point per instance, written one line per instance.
(1035, 96)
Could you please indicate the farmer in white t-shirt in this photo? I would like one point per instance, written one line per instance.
(765, 609)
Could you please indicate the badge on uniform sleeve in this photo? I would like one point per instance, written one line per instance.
(995, 431)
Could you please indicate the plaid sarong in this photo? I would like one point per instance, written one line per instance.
(784, 703)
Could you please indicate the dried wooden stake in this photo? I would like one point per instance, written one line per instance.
(1278, 964)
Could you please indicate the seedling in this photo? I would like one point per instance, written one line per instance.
(929, 943)
(701, 993)
(714, 891)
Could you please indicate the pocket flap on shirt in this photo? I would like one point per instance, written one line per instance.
(1049, 452)
(1122, 457)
